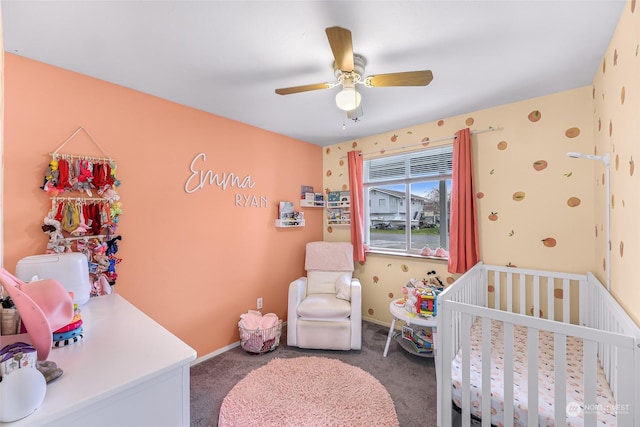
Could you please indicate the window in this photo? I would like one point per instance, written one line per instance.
(407, 200)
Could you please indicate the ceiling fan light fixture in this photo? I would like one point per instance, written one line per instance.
(348, 98)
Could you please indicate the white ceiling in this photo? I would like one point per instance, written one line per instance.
(228, 57)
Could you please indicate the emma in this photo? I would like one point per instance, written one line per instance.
(199, 178)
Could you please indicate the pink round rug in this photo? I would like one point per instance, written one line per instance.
(308, 391)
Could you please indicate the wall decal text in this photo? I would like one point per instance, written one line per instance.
(201, 177)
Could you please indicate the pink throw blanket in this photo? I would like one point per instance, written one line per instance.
(254, 320)
(258, 332)
(329, 256)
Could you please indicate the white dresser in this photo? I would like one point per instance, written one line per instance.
(127, 371)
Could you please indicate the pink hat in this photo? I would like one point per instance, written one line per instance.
(44, 306)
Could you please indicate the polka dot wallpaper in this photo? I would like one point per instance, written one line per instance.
(616, 100)
(537, 207)
(535, 204)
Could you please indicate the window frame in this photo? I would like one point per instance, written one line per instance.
(444, 202)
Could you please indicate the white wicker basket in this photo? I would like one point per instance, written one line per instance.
(260, 341)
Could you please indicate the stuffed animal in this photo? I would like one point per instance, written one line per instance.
(426, 252)
(433, 280)
(441, 253)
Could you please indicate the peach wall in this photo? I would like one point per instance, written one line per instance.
(193, 262)
(616, 99)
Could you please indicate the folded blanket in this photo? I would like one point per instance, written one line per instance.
(255, 321)
(257, 330)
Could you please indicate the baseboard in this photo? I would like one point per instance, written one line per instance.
(216, 353)
(220, 351)
(376, 321)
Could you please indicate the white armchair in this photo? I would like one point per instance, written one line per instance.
(325, 307)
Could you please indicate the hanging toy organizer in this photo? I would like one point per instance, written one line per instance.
(85, 211)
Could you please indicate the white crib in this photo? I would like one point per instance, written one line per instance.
(566, 308)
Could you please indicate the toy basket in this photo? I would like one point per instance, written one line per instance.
(260, 341)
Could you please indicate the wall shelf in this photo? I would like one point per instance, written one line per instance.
(287, 223)
(338, 208)
(341, 205)
(338, 213)
(287, 217)
(304, 203)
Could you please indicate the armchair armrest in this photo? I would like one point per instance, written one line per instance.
(356, 314)
(297, 292)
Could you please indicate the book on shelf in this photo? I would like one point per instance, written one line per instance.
(423, 339)
(334, 196)
(334, 214)
(285, 210)
(304, 190)
(345, 198)
(407, 333)
(419, 348)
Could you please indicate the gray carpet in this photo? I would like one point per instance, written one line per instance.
(409, 379)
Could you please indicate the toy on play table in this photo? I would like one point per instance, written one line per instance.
(421, 295)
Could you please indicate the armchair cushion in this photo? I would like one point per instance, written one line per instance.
(323, 307)
(323, 282)
(343, 287)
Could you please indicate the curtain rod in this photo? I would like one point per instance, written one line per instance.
(444, 138)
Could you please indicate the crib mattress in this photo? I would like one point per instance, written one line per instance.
(545, 378)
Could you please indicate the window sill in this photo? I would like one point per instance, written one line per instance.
(404, 255)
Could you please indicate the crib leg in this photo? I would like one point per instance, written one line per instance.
(392, 331)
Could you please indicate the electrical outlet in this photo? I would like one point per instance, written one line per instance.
(259, 303)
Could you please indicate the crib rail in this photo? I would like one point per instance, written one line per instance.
(539, 301)
(601, 311)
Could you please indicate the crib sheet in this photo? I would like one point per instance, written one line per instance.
(545, 378)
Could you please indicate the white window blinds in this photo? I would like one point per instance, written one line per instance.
(429, 163)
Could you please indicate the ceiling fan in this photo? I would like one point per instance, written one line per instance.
(349, 70)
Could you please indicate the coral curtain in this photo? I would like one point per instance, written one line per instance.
(356, 179)
(463, 229)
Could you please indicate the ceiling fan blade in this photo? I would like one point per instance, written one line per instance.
(408, 78)
(342, 47)
(304, 88)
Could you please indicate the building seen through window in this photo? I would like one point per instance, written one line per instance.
(407, 200)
